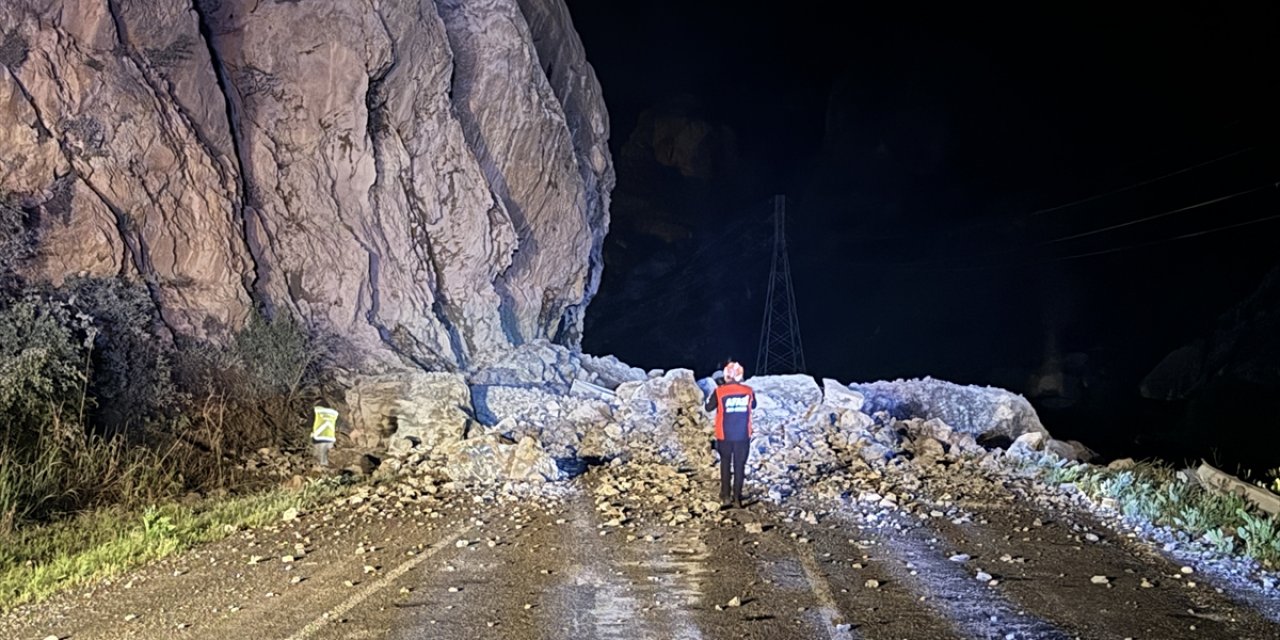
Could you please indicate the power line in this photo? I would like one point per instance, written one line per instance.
(984, 223)
(1157, 216)
(1090, 254)
(1143, 183)
(1185, 236)
(1016, 249)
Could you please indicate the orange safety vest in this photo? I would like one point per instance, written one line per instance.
(733, 399)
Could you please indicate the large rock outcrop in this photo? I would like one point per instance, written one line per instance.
(428, 179)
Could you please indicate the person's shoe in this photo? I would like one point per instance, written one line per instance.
(725, 504)
(738, 504)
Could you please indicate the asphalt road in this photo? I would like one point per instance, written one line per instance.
(524, 570)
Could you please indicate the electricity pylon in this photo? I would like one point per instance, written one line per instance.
(780, 348)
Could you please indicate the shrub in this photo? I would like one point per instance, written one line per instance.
(42, 361)
(1261, 536)
(1155, 493)
(258, 391)
(82, 365)
(131, 382)
(50, 463)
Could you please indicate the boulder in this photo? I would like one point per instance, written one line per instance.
(609, 372)
(987, 413)
(783, 398)
(558, 422)
(535, 364)
(605, 442)
(839, 397)
(410, 408)
(583, 389)
(491, 459)
(1072, 450)
(1029, 443)
(928, 450)
(662, 416)
(791, 444)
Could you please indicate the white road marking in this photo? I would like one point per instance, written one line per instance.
(831, 615)
(374, 587)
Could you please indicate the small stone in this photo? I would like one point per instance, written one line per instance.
(454, 589)
(872, 584)
(1186, 571)
(960, 557)
(983, 576)
(734, 602)
(130, 617)
(1146, 584)
(1100, 580)
(289, 514)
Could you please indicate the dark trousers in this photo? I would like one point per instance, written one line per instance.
(732, 452)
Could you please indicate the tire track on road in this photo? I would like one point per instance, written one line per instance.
(833, 619)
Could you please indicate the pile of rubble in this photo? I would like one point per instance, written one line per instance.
(544, 407)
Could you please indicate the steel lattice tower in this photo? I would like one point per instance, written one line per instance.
(780, 348)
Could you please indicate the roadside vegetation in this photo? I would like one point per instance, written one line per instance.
(1157, 493)
(40, 560)
(108, 423)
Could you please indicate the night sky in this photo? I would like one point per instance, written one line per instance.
(927, 157)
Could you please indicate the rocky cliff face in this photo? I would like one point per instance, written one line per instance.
(425, 178)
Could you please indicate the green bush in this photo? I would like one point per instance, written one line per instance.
(1155, 493)
(132, 382)
(1261, 536)
(256, 392)
(51, 462)
(42, 361)
(97, 407)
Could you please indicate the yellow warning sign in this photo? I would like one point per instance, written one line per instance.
(324, 429)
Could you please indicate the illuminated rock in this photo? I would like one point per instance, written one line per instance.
(427, 180)
(985, 412)
(413, 409)
(489, 459)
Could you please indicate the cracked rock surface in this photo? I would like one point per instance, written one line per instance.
(426, 179)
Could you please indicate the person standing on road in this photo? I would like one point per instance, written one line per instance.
(732, 403)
